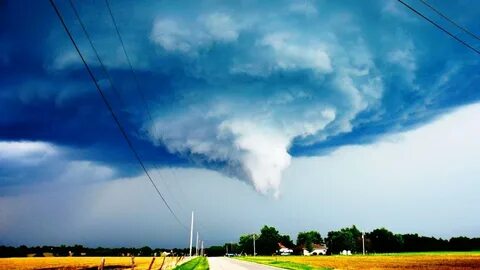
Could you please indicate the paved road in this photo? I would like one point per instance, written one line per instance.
(223, 263)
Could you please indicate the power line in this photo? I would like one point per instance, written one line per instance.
(139, 89)
(109, 107)
(440, 27)
(142, 94)
(450, 20)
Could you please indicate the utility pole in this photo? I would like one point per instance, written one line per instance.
(191, 235)
(363, 242)
(254, 249)
(196, 246)
(201, 252)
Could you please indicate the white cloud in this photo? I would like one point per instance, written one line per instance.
(290, 54)
(303, 7)
(173, 36)
(26, 151)
(397, 10)
(405, 58)
(253, 138)
(83, 171)
(25, 162)
(221, 27)
(251, 135)
(176, 35)
(65, 59)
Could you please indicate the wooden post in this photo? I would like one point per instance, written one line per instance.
(133, 262)
(163, 262)
(179, 258)
(102, 264)
(151, 263)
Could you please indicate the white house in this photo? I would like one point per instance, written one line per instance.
(317, 250)
(283, 250)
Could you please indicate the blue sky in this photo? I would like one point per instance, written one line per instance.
(242, 96)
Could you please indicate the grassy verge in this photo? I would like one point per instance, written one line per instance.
(199, 263)
(281, 264)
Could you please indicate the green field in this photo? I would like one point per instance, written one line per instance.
(199, 263)
(397, 261)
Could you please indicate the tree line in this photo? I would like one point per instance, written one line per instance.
(79, 250)
(377, 241)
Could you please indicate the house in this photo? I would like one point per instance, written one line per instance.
(283, 250)
(318, 249)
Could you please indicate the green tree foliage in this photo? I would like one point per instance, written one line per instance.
(232, 248)
(267, 243)
(246, 243)
(146, 251)
(286, 241)
(345, 239)
(383, 240)
(307, 239)
(215, 251)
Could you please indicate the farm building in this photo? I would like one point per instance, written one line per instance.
(318, 249)
(283, 250)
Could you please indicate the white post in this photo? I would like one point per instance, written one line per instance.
(254, 251)
(196, 246)
(363, 242)
(201, 252)
(191, 235)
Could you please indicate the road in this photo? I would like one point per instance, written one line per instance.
(223, 263)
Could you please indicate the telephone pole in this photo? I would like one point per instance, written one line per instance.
(196, 246)
(363, 242)
(191, 235)
(254, 249)
(201, 252)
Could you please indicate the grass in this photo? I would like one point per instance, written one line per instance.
(76, 263)
(281, 263)
(397, 261)
(199, 263)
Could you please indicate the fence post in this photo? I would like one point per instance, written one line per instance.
(163, 262)
(151, 263)
(179, 258)
(133, 262)
(102, 264)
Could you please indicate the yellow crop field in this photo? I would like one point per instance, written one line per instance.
(74, 263)
(437, 261)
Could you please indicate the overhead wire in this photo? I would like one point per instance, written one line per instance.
(441, 14)
(109, 106)
(439, 27)
(137, 84)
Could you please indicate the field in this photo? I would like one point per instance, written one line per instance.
(74, 263)
(399, 261)
(199, 263)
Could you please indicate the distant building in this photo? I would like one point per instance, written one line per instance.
(283, 250)
(318, 249)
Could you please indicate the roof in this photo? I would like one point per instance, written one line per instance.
(319, 246)
(315, 246)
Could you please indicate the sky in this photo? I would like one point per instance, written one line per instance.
(305, 115)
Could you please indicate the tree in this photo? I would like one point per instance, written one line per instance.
(215, 251)
(307, 239)
(286, 241)
(345, 239)
(383, 240)
(146, 251)
(267, 243)
(246, 243)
